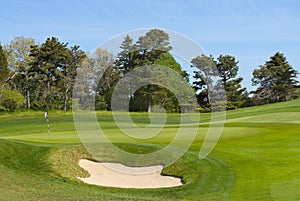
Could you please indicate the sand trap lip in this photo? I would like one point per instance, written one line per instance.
(106, 174)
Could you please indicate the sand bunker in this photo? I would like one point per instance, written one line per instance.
(118, 175)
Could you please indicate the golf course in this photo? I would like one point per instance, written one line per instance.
(256, 157)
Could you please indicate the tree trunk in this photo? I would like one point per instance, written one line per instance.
(65, 104)
(48, 86)
(2, 89)
(149, 99)
(208, 87)
(66, 100)
(28, 99)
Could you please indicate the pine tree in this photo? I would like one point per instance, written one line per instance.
(126, 58)
(276, 80)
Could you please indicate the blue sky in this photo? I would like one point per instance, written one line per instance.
(250, 30)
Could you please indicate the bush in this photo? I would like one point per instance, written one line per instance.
(11, 100)
(203, 109)
(100, 103)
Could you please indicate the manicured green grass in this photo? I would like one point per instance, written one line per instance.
(256, 158)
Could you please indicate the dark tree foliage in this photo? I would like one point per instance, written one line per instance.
(4, 71)
(236, 95)
(227, 67)
(276, 80)
(53, 68)
(126, 58)
(43, 76)
(150, 49)
(224, 69)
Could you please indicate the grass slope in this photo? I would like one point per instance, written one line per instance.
(256, 158)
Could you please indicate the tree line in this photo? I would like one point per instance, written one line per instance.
(42, 76)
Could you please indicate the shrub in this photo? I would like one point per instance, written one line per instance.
(11, 100)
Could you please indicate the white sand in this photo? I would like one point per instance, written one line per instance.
(118, 175)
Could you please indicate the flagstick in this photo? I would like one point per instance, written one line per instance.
(48, 126)
(46, 117)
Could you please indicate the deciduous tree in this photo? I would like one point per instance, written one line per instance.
(4, 71)
(206, 70)
(18, 51)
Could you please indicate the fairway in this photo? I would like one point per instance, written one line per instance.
(256, 158)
